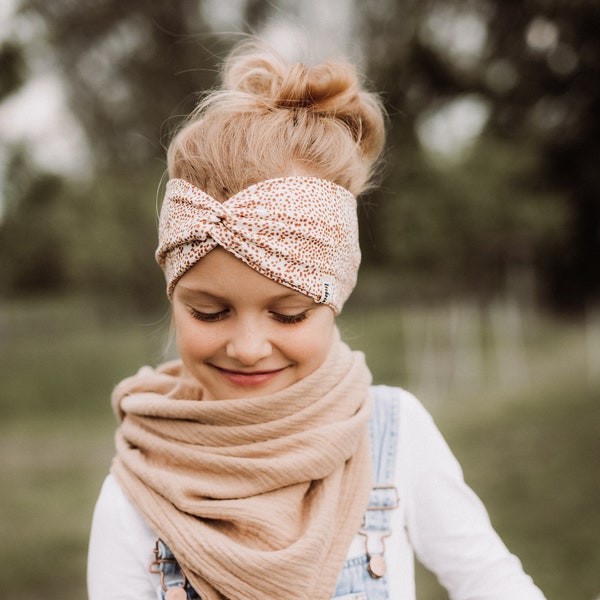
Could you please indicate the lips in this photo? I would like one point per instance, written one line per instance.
(249, 378)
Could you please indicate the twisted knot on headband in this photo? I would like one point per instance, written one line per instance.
(301, 232)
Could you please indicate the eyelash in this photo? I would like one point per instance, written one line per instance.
(290, 319)
(218, 316)
(208, 317)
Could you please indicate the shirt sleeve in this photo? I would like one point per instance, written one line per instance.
(447, 524)
(120, 549)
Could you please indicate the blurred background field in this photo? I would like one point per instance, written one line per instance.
(524, 425)
(480, 285)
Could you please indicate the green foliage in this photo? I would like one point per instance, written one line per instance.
(98, 237)
(466, 227)
(537, 71)
(32, 242)
(111, 248)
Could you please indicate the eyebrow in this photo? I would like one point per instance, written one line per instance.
(189, 292)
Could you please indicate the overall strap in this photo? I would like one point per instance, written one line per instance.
(384, 431)
(173, 583)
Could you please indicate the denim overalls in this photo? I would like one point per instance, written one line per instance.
(362, 577)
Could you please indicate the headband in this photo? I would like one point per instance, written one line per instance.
(301, 232)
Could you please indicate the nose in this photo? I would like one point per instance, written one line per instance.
(248, 343)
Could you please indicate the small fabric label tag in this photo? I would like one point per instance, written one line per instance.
(326, 288)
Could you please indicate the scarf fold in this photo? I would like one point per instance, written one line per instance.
(258, 498)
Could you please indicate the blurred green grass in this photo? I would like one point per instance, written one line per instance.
(515, 393)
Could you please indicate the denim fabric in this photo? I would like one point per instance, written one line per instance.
(354, 582)
(171, 575)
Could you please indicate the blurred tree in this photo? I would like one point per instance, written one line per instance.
(12, 68)
(128, 66)
(112, 245)
(32, 245)
(535, 67)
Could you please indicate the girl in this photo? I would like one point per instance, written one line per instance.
(263, 464)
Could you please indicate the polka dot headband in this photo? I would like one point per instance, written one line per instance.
(301, 232)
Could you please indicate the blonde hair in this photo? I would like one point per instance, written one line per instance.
(272, 118)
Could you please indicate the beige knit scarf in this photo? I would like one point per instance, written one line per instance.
(257, 498)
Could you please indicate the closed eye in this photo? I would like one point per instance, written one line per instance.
(290, 319)
(209, 317)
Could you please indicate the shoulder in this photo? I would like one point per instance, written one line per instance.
(388, 400)
(113, 499)
(420, 446)
(401, 426)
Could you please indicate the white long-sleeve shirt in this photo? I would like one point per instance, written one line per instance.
(440, 519)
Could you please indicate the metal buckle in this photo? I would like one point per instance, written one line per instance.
(154, 567)
(376, 565)
(386, 487)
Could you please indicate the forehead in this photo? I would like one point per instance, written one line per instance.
(224, 276)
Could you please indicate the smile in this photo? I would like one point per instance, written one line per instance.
(249, 378)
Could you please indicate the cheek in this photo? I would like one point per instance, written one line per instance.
(194, 340)
(185, 343)
(312, 347)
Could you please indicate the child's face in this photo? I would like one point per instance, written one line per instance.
(243, 335)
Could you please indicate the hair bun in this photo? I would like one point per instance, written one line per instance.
(261, 72)
(329, 89)
(271, 118)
